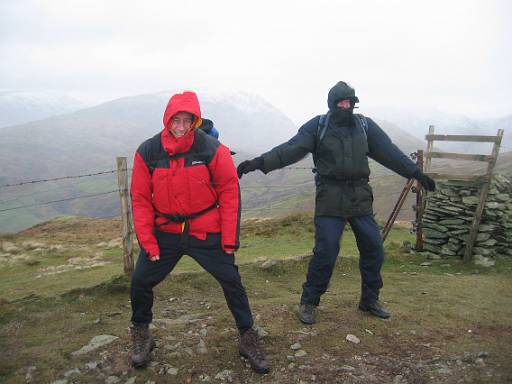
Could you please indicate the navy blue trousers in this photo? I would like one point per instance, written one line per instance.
(209, 255)
(328, 232)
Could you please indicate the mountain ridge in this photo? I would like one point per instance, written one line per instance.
(88, 140)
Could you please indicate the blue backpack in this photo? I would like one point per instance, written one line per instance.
(207, 126)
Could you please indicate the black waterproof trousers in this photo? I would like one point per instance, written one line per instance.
(207, 253)
(328, 231)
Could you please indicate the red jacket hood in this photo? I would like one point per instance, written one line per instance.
(183, 102)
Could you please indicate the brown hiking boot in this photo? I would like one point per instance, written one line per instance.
(249, 349)
(142, 345)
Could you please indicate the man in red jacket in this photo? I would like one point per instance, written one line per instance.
(186, 200)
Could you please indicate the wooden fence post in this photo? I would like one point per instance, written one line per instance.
(473, 233)
(430, 147)
(419, 206)
(126, 215)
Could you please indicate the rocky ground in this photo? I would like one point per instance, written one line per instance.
(450, 324)
(446, 328)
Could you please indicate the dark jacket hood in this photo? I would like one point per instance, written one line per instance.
(339, 92)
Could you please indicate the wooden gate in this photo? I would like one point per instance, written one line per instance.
(484, 179)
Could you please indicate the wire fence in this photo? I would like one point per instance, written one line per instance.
(58, 201)
(303, 186)
(57, 179)
(18, 197)
(264, 212)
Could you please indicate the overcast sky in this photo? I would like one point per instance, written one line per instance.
(450, 55)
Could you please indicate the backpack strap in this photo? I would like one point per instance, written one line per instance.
(323, 123)
(153, 153)
(364, 124)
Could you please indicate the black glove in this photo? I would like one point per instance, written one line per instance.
(249, 166)
(428, 183)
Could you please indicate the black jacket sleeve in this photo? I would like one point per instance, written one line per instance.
(294, 149)
(382, 150)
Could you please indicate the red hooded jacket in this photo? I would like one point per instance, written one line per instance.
(184, 176)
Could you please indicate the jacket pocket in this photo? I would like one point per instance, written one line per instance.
(364, 194)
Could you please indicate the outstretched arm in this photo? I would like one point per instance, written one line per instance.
(384, 151)
(284, 154)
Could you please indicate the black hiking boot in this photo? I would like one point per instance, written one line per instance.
(249, 349)
(375, 308)
(142, 345)
(307, 313)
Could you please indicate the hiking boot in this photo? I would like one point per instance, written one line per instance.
(249, 349)
(307, 313)
(375, 308)
(142, 345)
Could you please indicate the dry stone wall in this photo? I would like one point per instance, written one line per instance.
(449, 214)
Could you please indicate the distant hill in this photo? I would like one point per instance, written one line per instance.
(417, 121)
(19, 107)
(88, 140)
(93, 137)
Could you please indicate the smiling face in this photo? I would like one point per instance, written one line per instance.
(181, 124)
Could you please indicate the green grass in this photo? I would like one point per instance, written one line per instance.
(432, 313)
(440, 311)
(268, 239)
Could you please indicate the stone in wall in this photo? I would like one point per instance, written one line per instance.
(449, 215)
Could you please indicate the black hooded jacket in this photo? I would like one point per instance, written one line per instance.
(341, 161)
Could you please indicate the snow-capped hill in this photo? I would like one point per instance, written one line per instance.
(18, 107)
(246, 122)
(245, 102)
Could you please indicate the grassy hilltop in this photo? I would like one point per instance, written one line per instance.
(61, 285)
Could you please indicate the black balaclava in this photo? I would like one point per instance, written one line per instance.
(341, 91)
(342, 117)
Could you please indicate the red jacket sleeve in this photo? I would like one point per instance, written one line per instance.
(225, 181)
(142, 206)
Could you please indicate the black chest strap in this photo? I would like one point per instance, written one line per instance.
(180, 218)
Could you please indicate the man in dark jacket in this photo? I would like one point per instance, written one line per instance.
(341, 143)
(186, 201)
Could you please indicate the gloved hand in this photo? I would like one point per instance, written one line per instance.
(249, 166)
(427, 182)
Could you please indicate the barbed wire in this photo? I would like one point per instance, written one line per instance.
(58, 178)
(110, 171)
(37, 192)
(58, 201)
(309, 183)
(91, 174)
(306, 184)
(118, 215)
